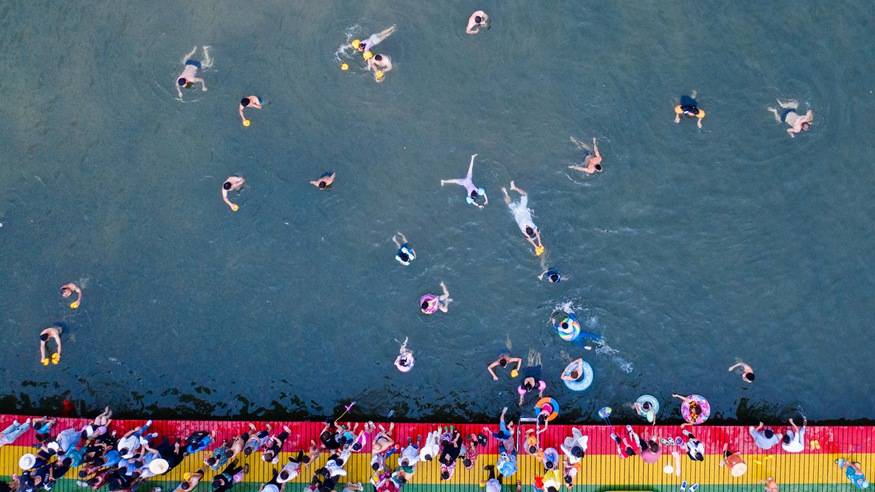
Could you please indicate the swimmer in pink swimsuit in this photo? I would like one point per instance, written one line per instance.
(430, 303)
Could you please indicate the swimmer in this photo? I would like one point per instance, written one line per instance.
(67, 290)
(248, 102)
(575, 372)
(689, 107)
(53, 333)
(380, 64)
(405, 254)
(325, 180)
(404, 362)
(523, 217)
(473, 191)
(431, 303)
(592, 163)
(504, 360)
(553, 276)
(788, 114)
(188, 77)
(372, 40)
(232, 183)
(477, 21)
(746, 371)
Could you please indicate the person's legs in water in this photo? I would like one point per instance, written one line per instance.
(188, 56)
(207, 61)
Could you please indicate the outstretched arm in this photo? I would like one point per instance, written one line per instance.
(517, 189)
(491, 368)
(198, 80)
(517, 360)
(42, 350)
(735, 366)
(595, 148)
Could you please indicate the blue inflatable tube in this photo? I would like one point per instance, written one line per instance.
(583, 382)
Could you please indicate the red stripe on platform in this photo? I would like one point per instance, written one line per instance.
(831, 439)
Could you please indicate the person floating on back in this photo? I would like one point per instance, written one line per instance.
(474, 193)
(189, 77)
(788, 114)
(689, 107)
(372, 40)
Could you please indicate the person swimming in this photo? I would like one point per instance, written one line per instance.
(746, 371)
(523, 217)
(248, 102)
(372, 40)
(232, 183)
(405, 361)
(430, 303)
(504, 360)
(67, 290)
(51, 333)
(325, 180)
(474, 193)
(380, 64)
(478, 20)
(405, 254)
(553, 276)
(689, 107)
(189, 77)
(592, 163)
(788, 114)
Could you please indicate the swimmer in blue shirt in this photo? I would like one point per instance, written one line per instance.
(189, 77)
(405, 254)
(474, 193)
(553, 275)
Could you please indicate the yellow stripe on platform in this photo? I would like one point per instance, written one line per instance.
(604, 470)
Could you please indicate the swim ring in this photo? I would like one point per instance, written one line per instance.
(650, 415)
(547, 406)
(568, 328)
(703, 404)
(581, 383)
(430, 300)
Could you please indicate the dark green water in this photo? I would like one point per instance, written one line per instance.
(694, 247)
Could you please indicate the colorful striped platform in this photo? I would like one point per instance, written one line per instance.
(602, 469)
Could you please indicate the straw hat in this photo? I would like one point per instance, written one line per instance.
(159, 466)
(27, 461)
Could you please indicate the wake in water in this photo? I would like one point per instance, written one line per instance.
(588, 338)
(346, 51)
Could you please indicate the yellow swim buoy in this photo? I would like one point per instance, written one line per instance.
(74, 305)
(539, 250)
(235, 207)
(367, 55)
(344, 67)
(247, 122)
(356, 43)
(379, 75)
(514, 373)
